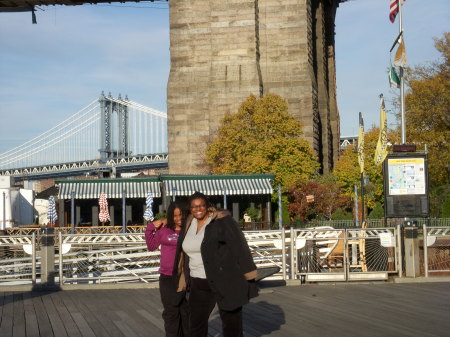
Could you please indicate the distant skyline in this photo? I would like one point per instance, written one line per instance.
(53, 69)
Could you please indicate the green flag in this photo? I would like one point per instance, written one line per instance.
(394, 80)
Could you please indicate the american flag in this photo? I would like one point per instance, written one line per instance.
(394, 9)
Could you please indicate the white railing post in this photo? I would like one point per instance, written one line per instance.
(425, 250)
(292, 254)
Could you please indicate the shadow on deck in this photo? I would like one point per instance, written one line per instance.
(382, 309)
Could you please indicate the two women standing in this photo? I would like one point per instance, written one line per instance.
(213, 265)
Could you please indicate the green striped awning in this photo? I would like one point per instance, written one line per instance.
(91, 189)
(218, 185)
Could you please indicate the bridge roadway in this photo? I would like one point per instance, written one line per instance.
(378, 309)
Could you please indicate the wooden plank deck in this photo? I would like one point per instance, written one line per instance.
(385, 309)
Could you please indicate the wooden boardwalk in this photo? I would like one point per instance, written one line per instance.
(413, 309)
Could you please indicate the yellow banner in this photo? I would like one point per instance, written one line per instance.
(381, 149)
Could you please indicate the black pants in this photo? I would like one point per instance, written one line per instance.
(201, 303)
(176, 317)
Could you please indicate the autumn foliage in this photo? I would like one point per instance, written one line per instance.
(262, 137)
(312, 198)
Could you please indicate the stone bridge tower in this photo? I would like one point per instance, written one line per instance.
(224, 50)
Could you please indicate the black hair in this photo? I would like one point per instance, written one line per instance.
(170, 214)
(200, 195)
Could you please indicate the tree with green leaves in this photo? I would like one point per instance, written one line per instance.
(262, 137)
(427, 103)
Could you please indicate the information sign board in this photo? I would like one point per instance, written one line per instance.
(406, 185)
(406, 176)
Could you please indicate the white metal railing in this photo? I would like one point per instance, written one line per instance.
(314, 254)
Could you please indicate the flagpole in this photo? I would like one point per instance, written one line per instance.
(402, 82)
(362, 199)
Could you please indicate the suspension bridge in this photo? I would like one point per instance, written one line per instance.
(112, 134)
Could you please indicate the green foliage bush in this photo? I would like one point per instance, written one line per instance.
(377, 212)
(440, 202)
(253, 213)
(339, 214)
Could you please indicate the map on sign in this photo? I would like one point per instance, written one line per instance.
(406, 176)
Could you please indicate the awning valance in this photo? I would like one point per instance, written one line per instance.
(113, 188)
(218, 186)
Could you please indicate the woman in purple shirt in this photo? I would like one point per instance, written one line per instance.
(166, 235)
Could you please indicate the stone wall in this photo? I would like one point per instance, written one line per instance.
(223, 51)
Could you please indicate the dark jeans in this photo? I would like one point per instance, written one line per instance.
(201, 303)
(176, 317)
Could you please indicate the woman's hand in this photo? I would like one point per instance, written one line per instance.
(159, 223)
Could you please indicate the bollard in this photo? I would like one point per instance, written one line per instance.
(411, 243)
(47, 257)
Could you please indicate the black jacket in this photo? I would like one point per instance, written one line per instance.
(228, 263)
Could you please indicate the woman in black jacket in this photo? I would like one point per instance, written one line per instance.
(214, 263)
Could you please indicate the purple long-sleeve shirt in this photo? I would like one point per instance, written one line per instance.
(167, 239)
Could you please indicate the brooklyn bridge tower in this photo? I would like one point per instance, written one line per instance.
(224, 50)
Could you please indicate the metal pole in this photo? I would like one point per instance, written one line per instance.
(72, 211)
(425, 250)
(225, 198)
(362, 199)
(174, 192)
(345, 262)
(280, 210)
(33, 258)
(4, 212)
(399, 251)
(402, 82)
(283, 252)
(124, 225)
(292, 254)
(60, 258)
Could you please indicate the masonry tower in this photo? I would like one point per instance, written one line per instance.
(224, 50)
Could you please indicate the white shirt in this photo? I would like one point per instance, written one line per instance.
(191, 246)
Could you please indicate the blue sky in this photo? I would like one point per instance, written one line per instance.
(53, 69)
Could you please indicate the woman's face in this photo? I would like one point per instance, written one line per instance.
(198, 208)
(177, 217)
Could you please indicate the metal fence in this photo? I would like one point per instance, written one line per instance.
(246, 226)
(18, 261)
(436, 250)
(105, 258)
(329, 254)
(310, 255)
